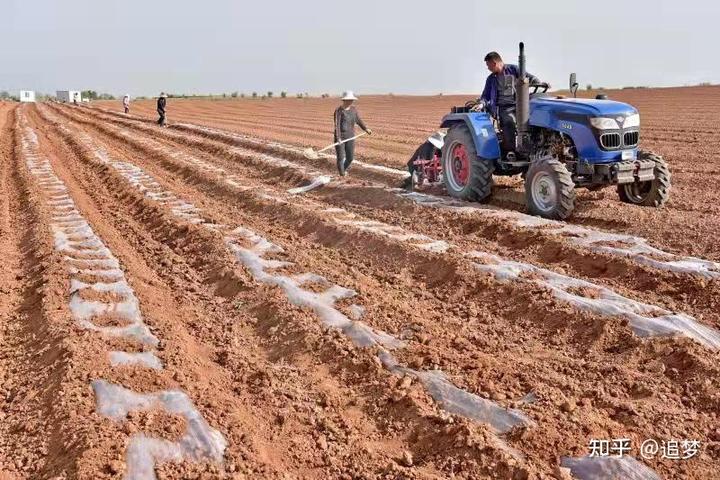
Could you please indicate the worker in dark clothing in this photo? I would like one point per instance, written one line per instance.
(161, 102)
(426, 151)
(346, 116)
(498, 96)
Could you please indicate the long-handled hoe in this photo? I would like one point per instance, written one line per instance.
(314, 155)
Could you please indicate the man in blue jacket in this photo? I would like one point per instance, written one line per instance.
(498, 95)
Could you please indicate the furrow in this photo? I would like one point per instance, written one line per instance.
(109, 307)
(645, 320)
(251, 249)
(628, 246)
(303, 207)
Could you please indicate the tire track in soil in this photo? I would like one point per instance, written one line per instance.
(590, 255)
(400, 413)
(344, 460)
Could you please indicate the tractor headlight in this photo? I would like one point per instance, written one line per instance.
(604, 123)
(632, 120)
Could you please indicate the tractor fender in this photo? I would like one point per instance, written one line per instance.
(482, 130)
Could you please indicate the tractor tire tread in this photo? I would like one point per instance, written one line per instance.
(661, 189)
(480, 181)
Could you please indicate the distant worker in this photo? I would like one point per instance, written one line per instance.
(162, 101)
(427, 151)
(498, 96)
(126, 103)
(75, 98)
(346, 116)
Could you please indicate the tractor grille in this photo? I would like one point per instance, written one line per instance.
(630, 139)
(610, 140)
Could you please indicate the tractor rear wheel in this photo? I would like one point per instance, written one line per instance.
(652, 193)
(466, 176)
(549, 189)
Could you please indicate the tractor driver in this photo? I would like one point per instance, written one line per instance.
(498, 96)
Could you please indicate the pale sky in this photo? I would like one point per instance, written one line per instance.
(373, 46)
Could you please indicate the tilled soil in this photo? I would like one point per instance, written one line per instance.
(677, 123)
(247, 288)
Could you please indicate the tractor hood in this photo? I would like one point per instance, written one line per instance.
(599, 129)
(583, 106)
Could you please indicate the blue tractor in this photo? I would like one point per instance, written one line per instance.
(561, 144)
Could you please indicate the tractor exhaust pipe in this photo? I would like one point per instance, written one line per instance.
(522, 99)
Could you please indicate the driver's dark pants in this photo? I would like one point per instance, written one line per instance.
(508, 124)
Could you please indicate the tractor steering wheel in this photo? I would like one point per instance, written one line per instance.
(475, 105)
(545, 86)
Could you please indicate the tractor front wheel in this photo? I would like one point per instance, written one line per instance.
(652, 193)
(549, 189)
(466, 176)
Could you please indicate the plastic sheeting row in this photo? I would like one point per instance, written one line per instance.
(93, 269)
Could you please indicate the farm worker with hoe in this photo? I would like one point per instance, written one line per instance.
(426, 151)
(346, 116)
(126, 103)
(161, 102)
(498, 96)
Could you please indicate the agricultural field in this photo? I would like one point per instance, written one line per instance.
(676, 122)
(203, 301)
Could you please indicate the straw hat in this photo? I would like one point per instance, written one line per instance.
(437, 139)
(163, 95)
(348, 95)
